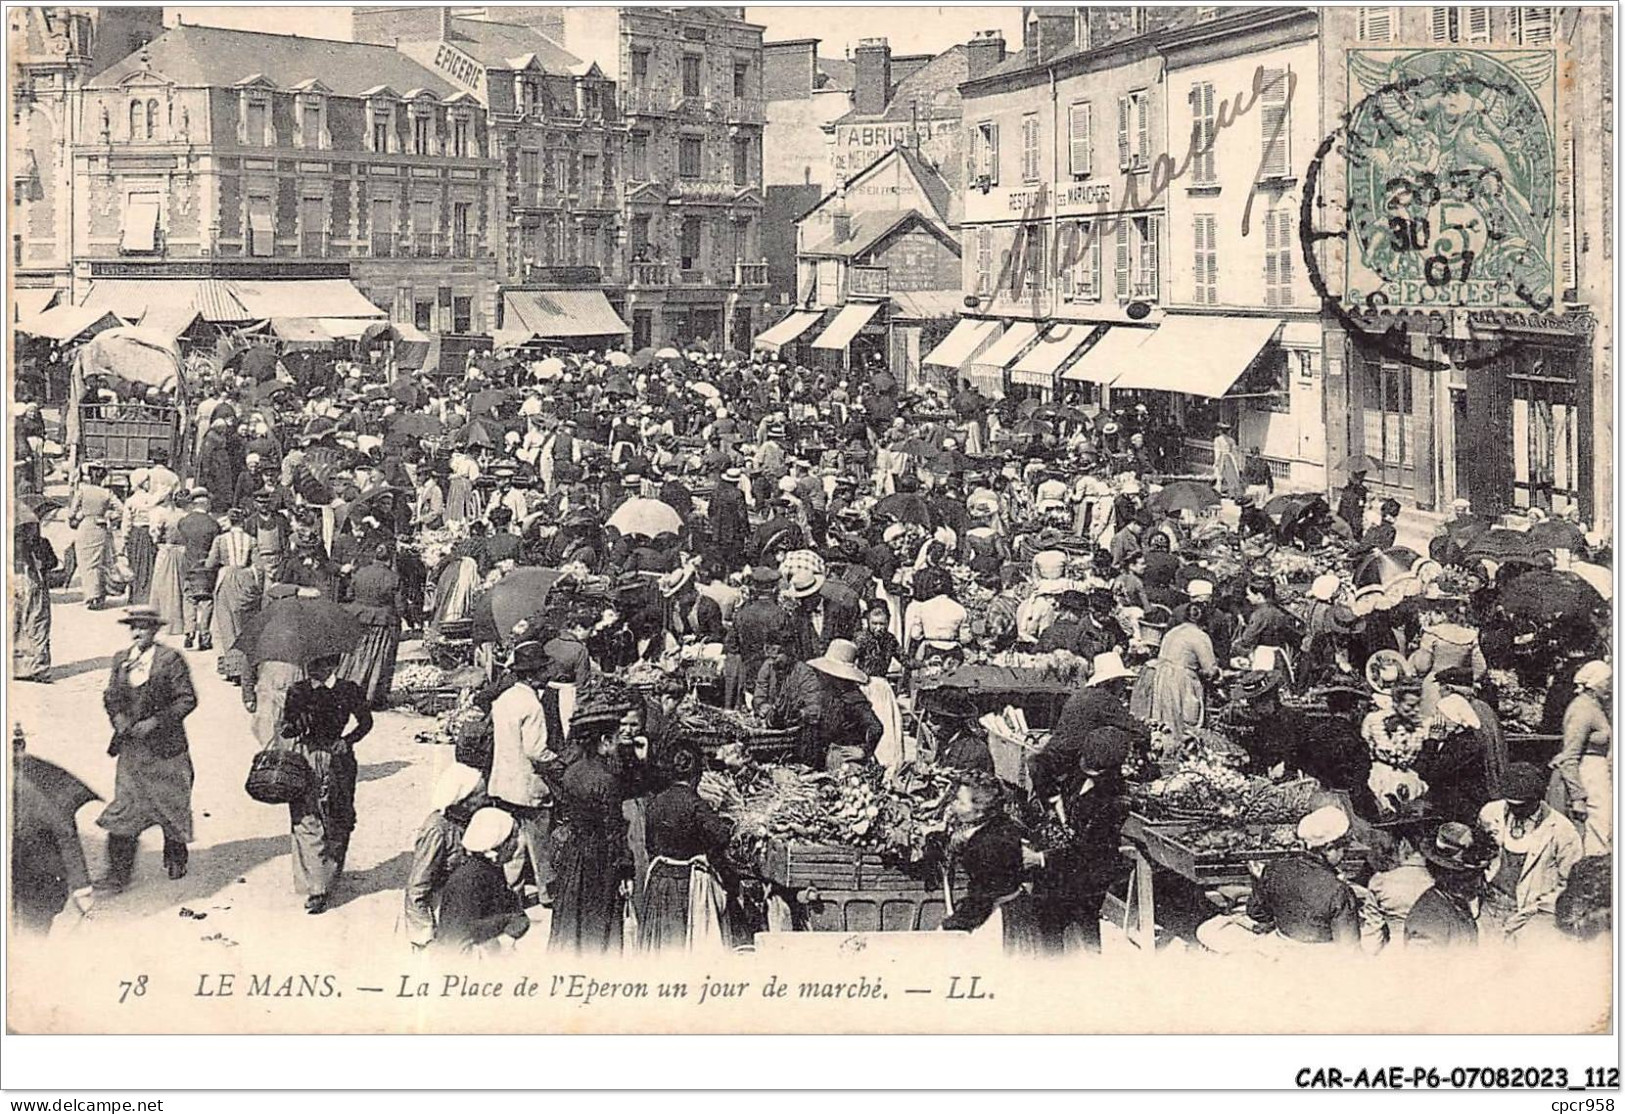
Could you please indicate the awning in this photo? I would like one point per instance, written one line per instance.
(1110, 356)
(1038, 367)
(66, 322)
(28, 303)
(559, 314)
(305, 330)
(131, 299)
(969, 337)
(1002, 352)
(410, 333)
(171, 321)
(988, 381)
(846, 325)
(1201, 356)
(304, 298)
(777, 336)
(346, 328)
(140, 227)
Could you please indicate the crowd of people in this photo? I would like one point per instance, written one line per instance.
(842, 549)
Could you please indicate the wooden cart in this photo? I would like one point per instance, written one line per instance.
(823, 887)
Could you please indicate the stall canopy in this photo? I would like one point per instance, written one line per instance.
(1038, 367)
(777, 336)
(968, 338)
(560, 314)
(133, 299)
(1015, 340)
(65, 323)
(303, 330)
(31, 303)
(1201, 356)
(345, 328)
(305, 298)
(1108, 357)
(846, 325)
(170, 321)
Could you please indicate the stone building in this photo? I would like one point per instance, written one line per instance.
(292, 163)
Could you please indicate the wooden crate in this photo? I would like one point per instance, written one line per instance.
(796, 866)
(876, 911)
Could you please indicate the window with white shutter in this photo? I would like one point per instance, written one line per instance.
(1475, 24)
(984, 261)
(987, 145)
(1080, 128)
(261, 225)
(1534, 26)
(1123, 260)
(1275, 125)
(1125, 112)
(1029, 147)
(1443, 26)
(1142, 130)
(1375, 24)
(1032, 243)
(1086, 264)
(1146, 284)
(1204, 169)
(1278, 257)
(1133, 131)
(1205, 272)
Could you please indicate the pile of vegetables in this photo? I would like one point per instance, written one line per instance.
(434, 546)
(1200, 781)
(1521, 709)
(1061, 664)
(417, 676)
(464, 723)
(1241, 841)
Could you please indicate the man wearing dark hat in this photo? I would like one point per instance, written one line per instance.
(197, 530)
(1446, 914)
(956, 739)
(149, 694)
(307, 564)
(1538, 846)
(729, 520)
(755, 622)
(1351, 503)
(568, 649)
(1254, 522)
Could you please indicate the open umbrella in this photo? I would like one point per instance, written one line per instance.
(407, 391)
(1384, 578)
(1032, 427)
(417, 425)
(969, 403)
(63, 789)
(487, 399)
(1556, 535)
(1499, 545)
(1543, 595)
(618, 359)
(298, 630)
(642, 358)
(482, 431)
(259, 363)
(949, 460)
(1184, 495)
(705, 390)
(42, 507)
(517, 596)
(619, 384)
(668, 354)
(1357, 462)
(1028, 407)
(550, 368)
(905, 506)
(648, 518)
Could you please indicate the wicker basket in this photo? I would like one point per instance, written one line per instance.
(276, 777)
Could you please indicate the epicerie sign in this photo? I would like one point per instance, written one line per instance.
(1070, 199)
(459, 67)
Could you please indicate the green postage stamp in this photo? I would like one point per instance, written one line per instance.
(1452, 178)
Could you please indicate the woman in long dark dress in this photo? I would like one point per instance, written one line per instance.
(590, 850)
(683, 898)
(377, 607)
(139, 548)
(317, 711)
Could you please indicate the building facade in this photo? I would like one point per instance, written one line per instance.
(213, 152)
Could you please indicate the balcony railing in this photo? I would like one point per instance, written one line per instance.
(462, 247)
(705, 189)
(313, 245)
(645, 101)
(427, 245)
(869, 282)
(750, 274)
(691, 276)
(650, 274)
(383, 244)
(746, 110)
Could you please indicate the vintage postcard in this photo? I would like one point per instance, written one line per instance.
(823, 520)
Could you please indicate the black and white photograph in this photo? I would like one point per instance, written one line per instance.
(813, 520)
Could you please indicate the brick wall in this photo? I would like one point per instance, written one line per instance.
(229, 190)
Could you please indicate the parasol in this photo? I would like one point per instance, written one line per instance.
(1184, 495)
(668, 354)
(905, 506)
(516, 597)
(417, 425)
(1358, 462)
(969, 403)
(642, 358)
(705, 390)
(298, 631)
(1556, 535)
(646, 517)
(259, 363)
(950, 460)
(616, 359)
(1028, 407)
(1544, 595)
(1499, 545)
(550, 368)
(1384, 578)
(1032, 427)
(1293, 502)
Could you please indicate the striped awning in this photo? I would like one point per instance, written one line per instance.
(778, 335)
(1038, 367)
(1003, 352)
(304, 330)
(847, 324)
(1201, 356)
(133, 299)
(969, 337)
(1108, 357)
(305, 298)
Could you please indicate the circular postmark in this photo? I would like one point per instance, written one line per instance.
(1449, 195)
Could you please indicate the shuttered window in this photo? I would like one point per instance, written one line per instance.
(1278, 257)
(1029, 147)
(1375, 24)
(1204, 169)
(1080, 129)
(1086, 263)
(1275, 125)
(984, 261)
(1205, 272)
(1133, 132)
(1443, 26)
(1534, 26)
(261, 225)
(989, 167)
(1123, 265)
(1475, 24)
(1146, 284)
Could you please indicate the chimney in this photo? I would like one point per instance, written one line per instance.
(1052, 31)
(445, 24)
(983, 52)
(872, 63)
(842, 226)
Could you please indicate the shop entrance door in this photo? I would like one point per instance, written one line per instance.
(1387, 414)
(1545, 443)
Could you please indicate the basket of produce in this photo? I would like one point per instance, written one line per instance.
(431, 702)
(771, 744)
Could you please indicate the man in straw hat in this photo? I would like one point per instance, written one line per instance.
(149, 694)
(528, 724)
(825, 696)
(1102, 703)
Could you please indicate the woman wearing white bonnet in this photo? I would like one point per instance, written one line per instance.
(1586, 762)
(439, 847)
(478, 912)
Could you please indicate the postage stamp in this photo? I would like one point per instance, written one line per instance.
(1452, 177)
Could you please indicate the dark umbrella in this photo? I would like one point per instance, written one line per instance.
(1542, 595)
(259, 363)
(1358, 462)
(1556, 535)
(1499, 545)
(517, 596)
(917, 446)
(618, 384)
(298, 630)
(481, 431)
(364, 502)
(488, 398)
(969, 403)
(1281, 505)
(1032, 427)
(905, 506)
(1184, 495)
(883, 383)
(417, 425)
(61, 788)
(1028, 407)
(42, 506)
(407, 391)
(643, 357)
(951, 460)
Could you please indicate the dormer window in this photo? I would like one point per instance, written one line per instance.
(312, 121)
(381, 127)
(255, 125)
(462, 131)
(421, 137)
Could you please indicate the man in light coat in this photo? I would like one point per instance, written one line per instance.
(528, 724)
